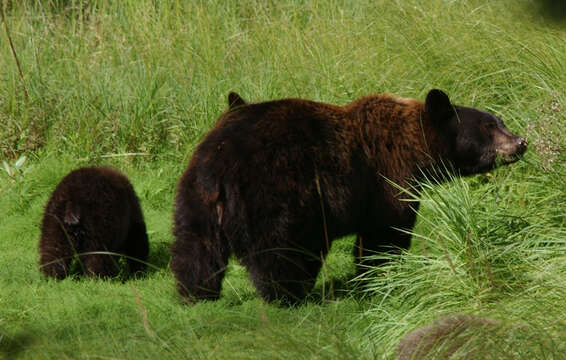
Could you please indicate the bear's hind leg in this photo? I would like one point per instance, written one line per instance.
(284, 275)
(199, 265)
(55, 262)
(56, 250)
(100, 265)
(136, 247)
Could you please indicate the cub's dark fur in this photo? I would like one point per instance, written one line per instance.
(92, 209)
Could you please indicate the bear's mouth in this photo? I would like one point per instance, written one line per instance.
(510, 158)
(512, 151)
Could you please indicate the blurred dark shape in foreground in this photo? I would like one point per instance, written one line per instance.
(554, 10)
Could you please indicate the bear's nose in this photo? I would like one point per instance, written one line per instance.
(522, 144)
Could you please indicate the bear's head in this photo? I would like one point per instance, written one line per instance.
(476, 141)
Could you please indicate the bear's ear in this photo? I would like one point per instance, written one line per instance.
(438, 106)
(235, 100)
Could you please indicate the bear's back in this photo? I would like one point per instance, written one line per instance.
(282, 133)
(93, 197)
(93, 185)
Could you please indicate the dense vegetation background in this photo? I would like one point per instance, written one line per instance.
(136, 84)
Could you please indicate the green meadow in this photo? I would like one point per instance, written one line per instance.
(136, 84)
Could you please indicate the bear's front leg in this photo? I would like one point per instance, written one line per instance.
(389, 239)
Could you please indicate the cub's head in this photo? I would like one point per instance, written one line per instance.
(477, 141)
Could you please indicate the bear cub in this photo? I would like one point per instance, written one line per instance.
(93, 209)
(275, 182)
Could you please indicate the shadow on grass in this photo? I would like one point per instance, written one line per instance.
(11, 346)
(334, 289)
(554, 10)
(324, 292)
(157, 260)
(158, 257)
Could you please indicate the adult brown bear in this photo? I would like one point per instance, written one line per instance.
(275, 182)
(92, 210)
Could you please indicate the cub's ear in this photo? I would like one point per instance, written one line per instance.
(72, 214)
(438, 106)
(235, 101)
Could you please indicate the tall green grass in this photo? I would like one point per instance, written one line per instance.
(480, 255)
(137, 84)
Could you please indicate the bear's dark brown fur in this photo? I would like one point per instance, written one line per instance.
(275, 182)
(92, 209)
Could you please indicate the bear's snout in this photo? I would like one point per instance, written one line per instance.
(522, 144)
(512, 148)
